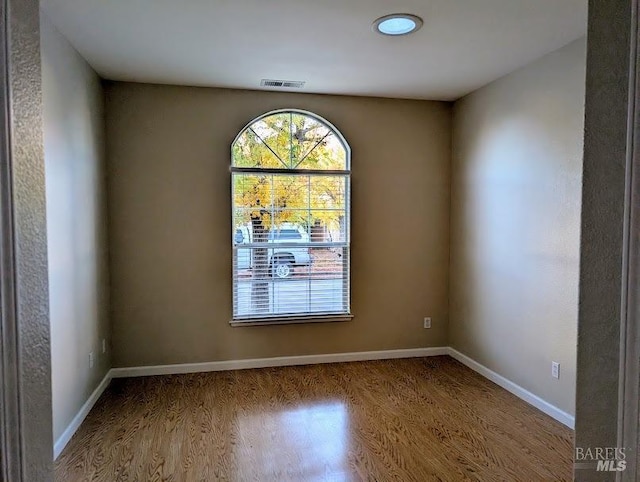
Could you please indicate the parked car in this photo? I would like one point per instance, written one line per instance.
(281, 260)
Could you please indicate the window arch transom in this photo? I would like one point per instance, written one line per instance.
(291, 219)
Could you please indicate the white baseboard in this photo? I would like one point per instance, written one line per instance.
(63, 440)
(275, 362)
(517, 390)
(542, 405)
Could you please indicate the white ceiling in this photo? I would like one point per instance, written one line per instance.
(463, 45)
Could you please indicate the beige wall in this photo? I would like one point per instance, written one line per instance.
(516, 189)
(170, 234)
(76, 223)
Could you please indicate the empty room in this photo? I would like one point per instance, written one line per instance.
(303, 241)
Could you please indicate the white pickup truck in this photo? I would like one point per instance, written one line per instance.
(281, 260)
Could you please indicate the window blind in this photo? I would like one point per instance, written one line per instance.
(290, 219)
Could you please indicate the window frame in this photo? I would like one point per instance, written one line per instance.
(304, 317)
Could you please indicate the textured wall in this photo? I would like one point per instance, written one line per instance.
(76, 224)
(602, 226)
(169, 230)
(516, 185)
(30, 239)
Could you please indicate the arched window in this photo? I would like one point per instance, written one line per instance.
(291, 175)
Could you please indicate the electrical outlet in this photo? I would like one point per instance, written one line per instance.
(91, 357)
(555, 369)
(427, 322)
(104, 346)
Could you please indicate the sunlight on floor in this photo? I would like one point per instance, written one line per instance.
(311, 441)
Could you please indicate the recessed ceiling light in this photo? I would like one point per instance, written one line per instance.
(397, 24)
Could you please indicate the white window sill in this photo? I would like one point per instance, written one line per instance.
(289, 320)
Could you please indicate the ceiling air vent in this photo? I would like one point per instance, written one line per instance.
(285, 84)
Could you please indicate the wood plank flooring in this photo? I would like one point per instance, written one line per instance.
(428, 419)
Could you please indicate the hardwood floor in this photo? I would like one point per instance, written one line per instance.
(393, 420)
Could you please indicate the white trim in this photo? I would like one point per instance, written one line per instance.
(289, 320)
(532, 399)
(527, 396)
(63, 440)
(275, 362)
(517, 390)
